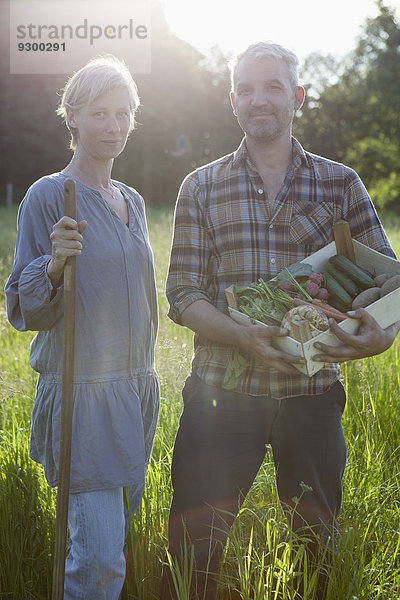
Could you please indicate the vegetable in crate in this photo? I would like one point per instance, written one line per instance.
(345, 281)
(380, 279)
(269, 301)
(384, 285)
(317, 320)
(299, 279)
(338, 297)
(312, 288)
(235, 367)
(390, 285)
(366, 297)
(358, 275)
(264, 302)
(261, 301)
(295, 270)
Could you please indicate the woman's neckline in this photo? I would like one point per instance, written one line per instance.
(111, 208)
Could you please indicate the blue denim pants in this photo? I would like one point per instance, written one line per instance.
(98, 525)
(219, 448)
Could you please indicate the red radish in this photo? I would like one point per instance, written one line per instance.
(311, 288)
(323, 294)
(285, 285)
(316, 278)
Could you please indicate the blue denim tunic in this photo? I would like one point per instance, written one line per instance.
(116, 393)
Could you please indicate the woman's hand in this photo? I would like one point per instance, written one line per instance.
(66, 240)
(369, 340)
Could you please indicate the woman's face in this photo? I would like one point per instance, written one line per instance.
(103, 125)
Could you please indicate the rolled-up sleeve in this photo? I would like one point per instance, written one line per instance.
(30, 305)
(187, 276)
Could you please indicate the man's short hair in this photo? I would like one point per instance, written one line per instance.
(261, 50)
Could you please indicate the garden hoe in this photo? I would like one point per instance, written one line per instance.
(67, 405)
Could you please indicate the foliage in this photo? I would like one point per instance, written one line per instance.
(353, 115)
(386, 191)
(185, 119)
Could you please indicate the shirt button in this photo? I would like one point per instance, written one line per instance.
(260, 191)
(271, 226)
(272, 261)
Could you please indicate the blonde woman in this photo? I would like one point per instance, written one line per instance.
(116, 395)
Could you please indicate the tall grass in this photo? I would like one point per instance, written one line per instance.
(263, 559)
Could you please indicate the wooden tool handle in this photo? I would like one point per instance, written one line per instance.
(343, 240)
(67, 405)
(70, 199)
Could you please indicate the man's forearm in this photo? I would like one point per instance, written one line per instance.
(210, 323)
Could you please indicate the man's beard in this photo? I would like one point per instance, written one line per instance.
(269, 130)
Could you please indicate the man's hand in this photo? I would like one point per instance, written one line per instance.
(369, 340)
(257, 340)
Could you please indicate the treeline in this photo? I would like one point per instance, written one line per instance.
(185, 119)
(353, 114)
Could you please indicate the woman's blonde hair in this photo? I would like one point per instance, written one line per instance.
(97, 77)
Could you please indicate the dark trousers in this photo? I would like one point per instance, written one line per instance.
(219, 448)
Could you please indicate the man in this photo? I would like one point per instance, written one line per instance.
(242, 217)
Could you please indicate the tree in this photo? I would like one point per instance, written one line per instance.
(184, 121)
(355, 118)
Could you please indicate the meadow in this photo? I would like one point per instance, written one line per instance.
(262, 558)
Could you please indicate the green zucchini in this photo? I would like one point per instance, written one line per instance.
(337, 293)
(358, 275)
(341, 277)
(339, 306)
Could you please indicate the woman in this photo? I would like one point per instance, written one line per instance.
(116, 395)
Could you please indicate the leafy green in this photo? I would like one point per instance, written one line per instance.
(298, 269)
(267, 303)
(236, 365)
(264, 302)
(298, 286)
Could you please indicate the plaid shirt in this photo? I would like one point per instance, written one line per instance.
(227, 232)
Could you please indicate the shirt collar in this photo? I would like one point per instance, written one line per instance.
(299, 155)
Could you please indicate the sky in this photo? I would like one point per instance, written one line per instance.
(304, 26)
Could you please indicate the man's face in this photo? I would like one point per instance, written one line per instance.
(264, 100)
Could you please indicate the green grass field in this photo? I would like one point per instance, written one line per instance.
(260, 561)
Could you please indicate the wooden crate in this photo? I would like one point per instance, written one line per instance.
(385, 311)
